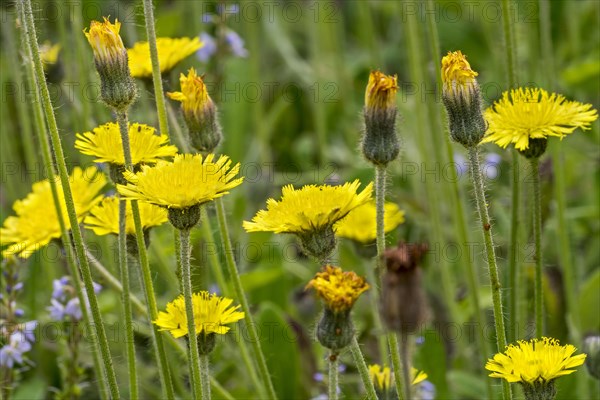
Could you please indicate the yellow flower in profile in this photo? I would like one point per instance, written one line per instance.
(211, 315)
(381, 91)
(338, 289)
(188, 181)
(530, 113)
(36, 222)
(194, 97)
(170, 53)
(457, 76)
(310, 208)
(360, 224)
(105, 41)
(104, 143)
(49, 54)
(104, 217)
(382, 377)
(535, 362)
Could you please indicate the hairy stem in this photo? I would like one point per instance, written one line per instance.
(537, 237)
(363, 370)
(205, 376)
(333, 376)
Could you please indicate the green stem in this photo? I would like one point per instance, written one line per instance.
(161, 356)
(374, 297)
(509, 44)
(333, 375)
(363, 370)
(405, 359)
(186, 280)
(64, 178)
(125, 298)
(239, 292)
(537, 237)
(159, 96)
(396, 364)
(205, 376)
(486, 227)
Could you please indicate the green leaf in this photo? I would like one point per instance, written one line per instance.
(589, 304)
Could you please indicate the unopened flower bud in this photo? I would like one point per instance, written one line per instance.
(462, 98)
(199, 112)
(591, 346)
(335, 330)
(117, 88)
(403, 304)
(380, 143)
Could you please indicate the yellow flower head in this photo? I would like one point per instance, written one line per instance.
(535, 361)
(104, 143)
(360, 224)
(105, 40)
(381, 377)
(211, 315)
(381, 91)
(49, 53)
(194, 97)
(36, 222)
(104, 217)
(187, 181)
(338, 289)
(532, 113)
(170, 53)
(309, 208)
(457, 75)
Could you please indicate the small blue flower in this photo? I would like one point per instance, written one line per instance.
(228, 9)
(426, 390)
(97, 287)
(491, 164)
(57, 310)
(73, 310)
(19, 312)
(18, 286)
(318, 377)
(236, 43)
(209, 47)
(12, 353)
(461, 164)
(207, 18)
(58, 288)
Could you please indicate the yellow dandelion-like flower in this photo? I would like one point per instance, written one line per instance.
(188, 181)
(36, 221)
(105, 40)
(531, 113)
(211, 315)
(338, 289)
(170, 53)
(360, 224)
(104, 217)
(457, 76)
(194, 97)
(104, 143)
(535, 361)
(49, 53)
(309, 208)
(381, 91)
(381, 377)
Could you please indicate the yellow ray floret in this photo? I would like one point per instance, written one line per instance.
(309, 209)
(170, 53)
(36, 222)
(49, 53)
(457, 76)
(211, 315)
(531, 113)
(105, 40)
(194, 97)
(535, 361)
(104, 218)
(187, 181)
(361, 223)
(338, 289)
(104, 143)
(381, 90)
(381, 377)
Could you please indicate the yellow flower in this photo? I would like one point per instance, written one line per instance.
(338, 289)
(457, 76)
(104, 218)
(49, 53)
(360, 224)
(535, 361)
(532, 113)
(308, 209)
(105, 41)
(170, 53)
(194, 97)
(211, 315)
(36, 222)
(381, 91)
(381, 377)
(104, 143)
(188, 181)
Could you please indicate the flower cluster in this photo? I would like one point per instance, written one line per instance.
(65, 305)
(339, 290)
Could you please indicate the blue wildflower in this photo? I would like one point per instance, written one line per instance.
(12, 353)
(236, 43)
(209, 47)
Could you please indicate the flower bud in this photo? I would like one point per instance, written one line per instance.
(462, 99)
(132, 246)
(380, 143)
(199, 112)
(184, 218)
(319, 243)
(117, 88)
(537, 147)
(335, 330)
(591, 346)
(403, 304)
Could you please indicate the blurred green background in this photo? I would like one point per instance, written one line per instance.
(291, 113)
